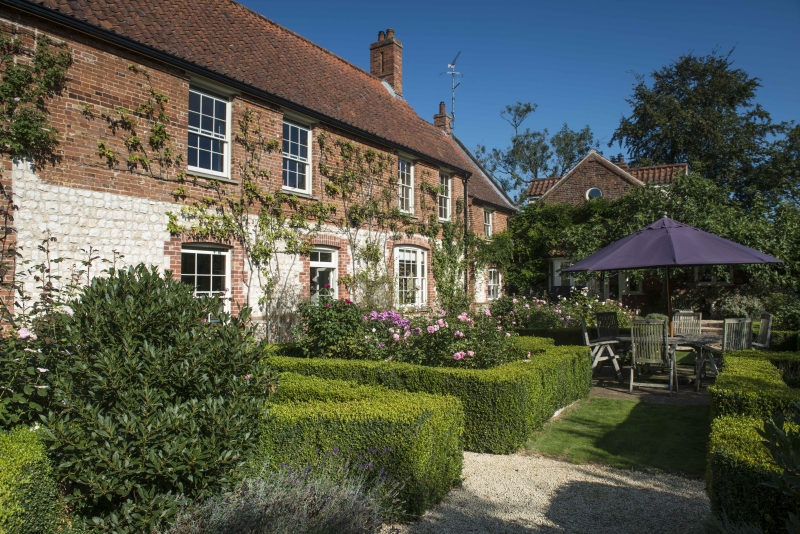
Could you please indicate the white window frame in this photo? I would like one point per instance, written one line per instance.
(488, 222)
(446, 182)
(212, 251)
(226, 144)
(421, 277)
(494, 284)
(333, 265)
(405, 188)
(557, 265)
(625, 285)
(591, 189)
(299, 160)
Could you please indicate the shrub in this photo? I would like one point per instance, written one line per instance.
(28, 491)
(502, 405)
(534, 313)
(339, 329)
(738, 466)
(417, 437)
(752, 385)
(737, 305)
(324, 499)
(24, 384)
(782, 438)
(784, 341)
(152, 404)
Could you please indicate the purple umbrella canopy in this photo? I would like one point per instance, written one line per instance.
(668, 243)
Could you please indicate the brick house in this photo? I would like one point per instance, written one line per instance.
(595, 177)
(211, 71)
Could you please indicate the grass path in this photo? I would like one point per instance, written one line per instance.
(625, 434)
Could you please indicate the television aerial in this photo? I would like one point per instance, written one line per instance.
(453, 74)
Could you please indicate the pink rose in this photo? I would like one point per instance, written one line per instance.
(440, 322)
(487, 312)
(470, 353)
(396, 337)
(508, 334)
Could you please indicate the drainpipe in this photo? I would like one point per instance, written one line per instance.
(466, 231)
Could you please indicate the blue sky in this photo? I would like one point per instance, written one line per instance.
(575, 59)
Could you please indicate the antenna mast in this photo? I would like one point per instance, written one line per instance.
(452, 72)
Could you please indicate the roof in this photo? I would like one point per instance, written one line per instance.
(656, 174)
(659, 174)
(482, 185)
(229, 39)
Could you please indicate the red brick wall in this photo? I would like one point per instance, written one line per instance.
(590, 174)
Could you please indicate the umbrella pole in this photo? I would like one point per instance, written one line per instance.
(669, 303)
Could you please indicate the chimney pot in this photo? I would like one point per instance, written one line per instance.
(390, 33)
(442, 109)
(381, 36)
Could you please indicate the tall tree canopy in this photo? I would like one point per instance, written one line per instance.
(702, 110)
(533, 154)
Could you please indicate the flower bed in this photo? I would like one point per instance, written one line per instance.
(415, 436)
(502, 405)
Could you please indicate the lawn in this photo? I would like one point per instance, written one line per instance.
(627, 434)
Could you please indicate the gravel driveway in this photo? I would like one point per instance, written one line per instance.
(522, 493)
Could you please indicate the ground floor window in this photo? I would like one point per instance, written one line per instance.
(206, 270)
(323, 273)
(493, 284)
(411, 276)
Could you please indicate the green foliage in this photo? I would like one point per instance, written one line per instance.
(330, 328)
(752, 386)
(738, 305)
(782, 438)
(534, 313)
(29, 79)
(502, 405)
(152, 405)
(415, 437)
(28, 490)
(738, 466)
(326, 498)
(701, 110)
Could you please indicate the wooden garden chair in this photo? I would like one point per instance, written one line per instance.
(737, 334)
(602, 350)
(687, 323)
(650, 350)
(607, 325)
(764, 332)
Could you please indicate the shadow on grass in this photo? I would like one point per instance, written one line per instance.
(629, 434)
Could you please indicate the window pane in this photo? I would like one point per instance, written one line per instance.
(204, 160)
(208, 106)
(326, 257)
(203, 264)
(217, 283)
(219, 127)
(194, 101)
(219, 110)
(217, 162)
(218, 264)
(187, 263)
(294, 134)
(188, 280)
(206, 123)
(203, 283)
(315, 256)
(194, 120)
(204, 142)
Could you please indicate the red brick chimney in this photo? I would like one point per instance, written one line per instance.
(386, 60)
(442, 119)
(621, 162)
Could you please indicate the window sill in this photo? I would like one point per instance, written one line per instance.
(299, 194)
(209, 176)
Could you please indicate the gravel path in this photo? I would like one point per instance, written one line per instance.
(521, 493)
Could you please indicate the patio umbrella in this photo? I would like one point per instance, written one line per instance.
(668, 243)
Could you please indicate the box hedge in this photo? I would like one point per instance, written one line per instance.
(502, 405)
(28, 490)
(416, 436)
(738, 465)
(752, 384)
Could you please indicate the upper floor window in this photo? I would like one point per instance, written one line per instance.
(296, 158)
(594, 192)
(405, 186)
(208, 133)
(411, 276)
(206, 270)
(493, 286)
(444, 197)
(488, 229)
(323, 273)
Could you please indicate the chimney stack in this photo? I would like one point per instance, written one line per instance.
(442, 119)
(621, 162)
(386, 60)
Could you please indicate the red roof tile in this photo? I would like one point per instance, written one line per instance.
(231, 40)
(659, 174)
(540, 186)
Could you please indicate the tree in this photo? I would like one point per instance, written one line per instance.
(701, 110)
(530, 156)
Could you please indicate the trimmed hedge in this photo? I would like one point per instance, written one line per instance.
(415, 435)
(502, 405)
(28, 491)
(752, 385)
(565, 336)
(784, 341)
(534, 345)
(738, 464)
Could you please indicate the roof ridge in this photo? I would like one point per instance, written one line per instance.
(661, 166)
(306, 39)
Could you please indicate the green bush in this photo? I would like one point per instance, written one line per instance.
(502, 405)
(738, 465)
(560, 336)
(152, 404)
(416, 437)
(784, 341)
(752, 385)
(326, 499)
(28, 491)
